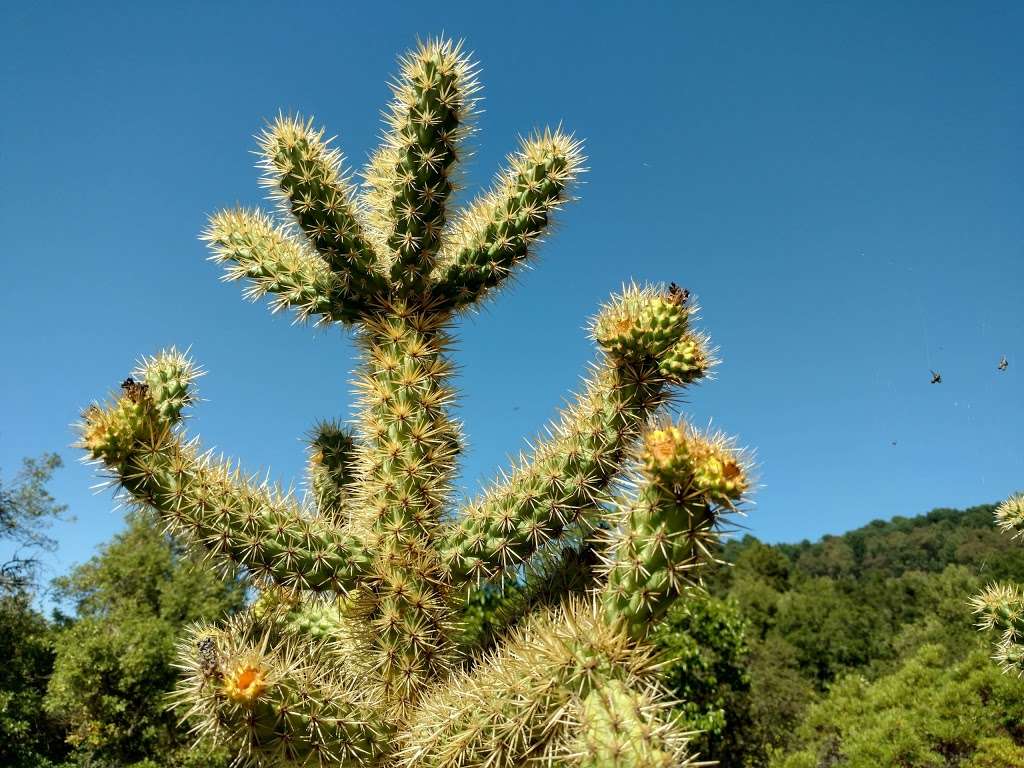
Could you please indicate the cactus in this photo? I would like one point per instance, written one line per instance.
(1000, 606)
(352, 655)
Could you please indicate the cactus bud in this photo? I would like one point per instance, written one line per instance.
(677, 456)
(168, 378)
(246, 683)
(642, 324)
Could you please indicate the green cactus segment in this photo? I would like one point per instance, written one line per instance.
(1000, 608)
(670, 528)
(497, 231)
(252, 247)
(258, 528)
(433, 101)
(405, 472)
(569, 474)
(620, 728)
(304, 173)
(520, 702)
(168, 377)
(645, 324)
(277, 706)
(330, 469)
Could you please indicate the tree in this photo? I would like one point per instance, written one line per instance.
(28, 737)
(26, 510)
(935, 710)
(703, 640)
(378, 545)
(114, 662)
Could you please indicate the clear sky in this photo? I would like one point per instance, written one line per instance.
(839, 183)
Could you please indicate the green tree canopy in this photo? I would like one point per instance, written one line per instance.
(114, 662)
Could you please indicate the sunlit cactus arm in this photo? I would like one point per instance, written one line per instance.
(650, 348)
(500, 230)
(519, 703)
(304, 173)
(276, 702)
(239, 523)
(277, 264)
(667, 533)
(410, 178)
(623, 727)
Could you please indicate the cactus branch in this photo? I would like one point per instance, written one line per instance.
(668, 531)
(569, 474)
(411, 176)
(275, 263)
(499, 231)
(237, 522)
(304, 174)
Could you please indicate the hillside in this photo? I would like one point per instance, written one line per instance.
(865, 633)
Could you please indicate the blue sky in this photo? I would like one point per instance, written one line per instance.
(840, 184)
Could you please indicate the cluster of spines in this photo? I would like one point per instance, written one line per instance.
(1000, 607)
(495, 233)
(306, 678)
(410, 179)
(304, 173)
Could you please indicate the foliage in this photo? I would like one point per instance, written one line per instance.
(936, 709)
(26, 510)
(113, 668)
(29, 738)
(354, 655)
(704, 642)
(859, 606)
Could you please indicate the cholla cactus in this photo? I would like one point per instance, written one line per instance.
(1000, 607)
(352, 654)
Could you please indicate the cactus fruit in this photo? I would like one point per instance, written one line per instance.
(352, 654)
(1000, 607)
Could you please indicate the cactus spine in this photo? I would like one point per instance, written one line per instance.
(1000, 607)
(351, 655)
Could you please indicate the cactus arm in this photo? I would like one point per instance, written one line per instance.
(668, 530)
(255, 527)
(621, 727)
(304, 173)
(275, 263)
(330, 470)
(277, 703)
(498, 231)
(521, 701)
(410, 178)
(650, 348)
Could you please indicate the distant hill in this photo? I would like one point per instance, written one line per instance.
(854, 618)
(889, 548)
